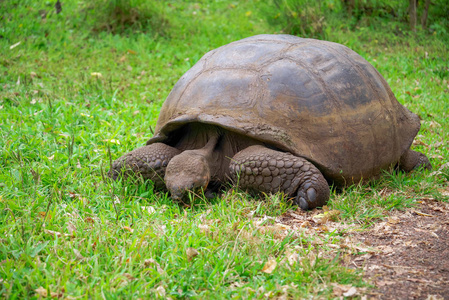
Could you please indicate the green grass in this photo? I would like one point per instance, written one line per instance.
(61, 123)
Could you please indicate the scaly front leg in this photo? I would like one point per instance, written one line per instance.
(149, 162)
(261, 169)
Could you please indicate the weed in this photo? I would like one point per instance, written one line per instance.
(119, 16)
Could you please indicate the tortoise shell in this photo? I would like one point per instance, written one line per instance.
(316, 99)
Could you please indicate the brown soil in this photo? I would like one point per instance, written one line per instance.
(412, 254)
(405, 256)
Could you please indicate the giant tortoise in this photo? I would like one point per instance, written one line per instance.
(277, 113)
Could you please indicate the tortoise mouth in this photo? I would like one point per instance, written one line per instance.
(186, 195)
(178, 195)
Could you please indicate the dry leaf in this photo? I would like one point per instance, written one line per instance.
(393, 220)
(78, 255)
(437, 144)
(444, 166)
(326, 216)
(282, 226)
(444, 192)
(345, 290)
(40, 291)
(128, 229)
(409, 244)
(204, 228)
(421, 213)
(129, 276)
(351, 292)
(305, 224)
(71, 228)
(322, 228)
(15, 45)
(159, 230)
(114, 141)
(265, 220)
(434, 124)
(418, 280)
(385, 249)
(293, 258)
(151, 261)
(191, 253)
(160, 291)
(269, 266)
(149, 209)
(55, 233)
(420, 143)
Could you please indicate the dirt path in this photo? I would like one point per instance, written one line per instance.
(413, 261)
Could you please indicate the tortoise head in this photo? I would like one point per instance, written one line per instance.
(188, 171)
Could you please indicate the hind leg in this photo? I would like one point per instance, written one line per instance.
(261, 169)
(149, 162)
(411, 160)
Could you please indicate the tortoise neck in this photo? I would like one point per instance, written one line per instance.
(208, 149)
(212, 142)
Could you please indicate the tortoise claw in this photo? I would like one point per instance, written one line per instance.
(302, 203)
(313, 192)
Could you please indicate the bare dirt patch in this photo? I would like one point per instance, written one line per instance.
(405, 256)
(411, 257)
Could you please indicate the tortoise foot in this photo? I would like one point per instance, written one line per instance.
(313, 190)
(149, 162)
(258, 168)
(411, 160)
